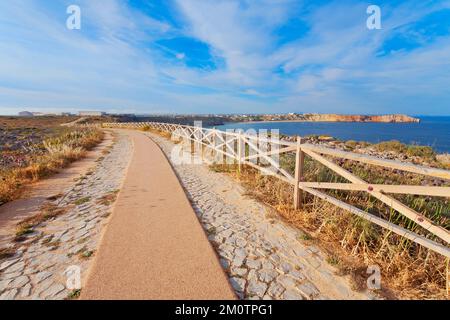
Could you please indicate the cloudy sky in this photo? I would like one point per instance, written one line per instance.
(225, 56)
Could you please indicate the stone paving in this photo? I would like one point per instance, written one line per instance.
(38, 268)
(263, 257)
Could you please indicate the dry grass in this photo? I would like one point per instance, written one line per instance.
(60, 152)
(409, 270)
(35, 122)
(163, 134)
(48, 212)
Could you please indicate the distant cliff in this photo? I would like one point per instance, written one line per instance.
(358, 118)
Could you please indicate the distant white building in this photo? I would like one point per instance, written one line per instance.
(91, 113)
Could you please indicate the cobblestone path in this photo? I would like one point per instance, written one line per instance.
(38, 269)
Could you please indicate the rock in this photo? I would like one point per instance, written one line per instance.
(275, 290)
(267, 275)
(256, 288)
(286, 281)
(292, 294)
(41, 276)
(19, 282)
(52, 291)
(11, 276)
(286, 267)
(9, 295)
(17, 267)
(76, 248)
(224, 263)
(253, 264)
(238, 284)
(26, 291)
(8, 263)
(298, 276)
(239, 271)
(308, 289)
(240, 242)
(267, 265)
(4, 284)
(238, 261)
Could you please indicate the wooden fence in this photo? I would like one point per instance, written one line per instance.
(258, 152)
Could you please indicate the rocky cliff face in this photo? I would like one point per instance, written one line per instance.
(359, 118)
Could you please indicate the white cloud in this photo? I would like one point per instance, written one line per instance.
(110, 63)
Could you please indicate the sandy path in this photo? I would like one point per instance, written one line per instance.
(154, 246)
(36, 194)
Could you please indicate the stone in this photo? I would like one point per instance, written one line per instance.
(286, 267)
(17, 267)
(275, 290)
(52, 291)
(238, 261)
(44, 285)
(224, 263)
(252, 274)
(8, 263)
(256, 288)
(4, 284)
(41, 276)
(253, 264)
(267, 264)
(19, 282)
(298, 276)
(286, 281)
(267, 275)
(10, 276)
(26, 291)
(75, 249)
(292, 294)
(239, 271)
(9, 295)
(240, 242)
(308, 289)
(238, 284)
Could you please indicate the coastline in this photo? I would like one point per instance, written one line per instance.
(431, 131)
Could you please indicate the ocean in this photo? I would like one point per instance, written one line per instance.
(431, 131)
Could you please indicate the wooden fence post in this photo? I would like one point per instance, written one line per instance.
(240, 150)
(299, 168)
(213, 142)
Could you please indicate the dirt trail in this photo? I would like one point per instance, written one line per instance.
(36, 194)
(154, 246)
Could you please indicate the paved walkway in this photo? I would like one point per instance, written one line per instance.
(154, 246)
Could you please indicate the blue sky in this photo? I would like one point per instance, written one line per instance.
(225, 56)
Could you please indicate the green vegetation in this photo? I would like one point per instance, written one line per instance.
(74, 294)
(425, 152)
(82, 201)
